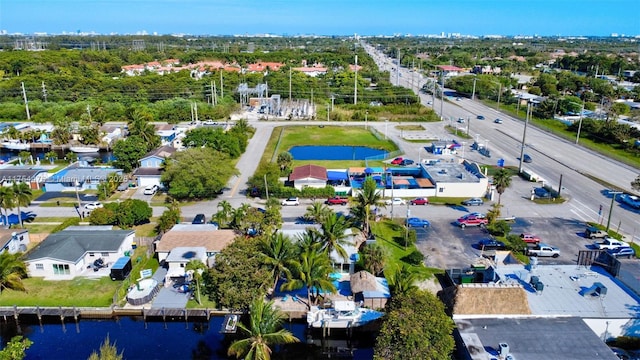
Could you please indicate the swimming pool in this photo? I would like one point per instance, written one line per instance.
(315, 152)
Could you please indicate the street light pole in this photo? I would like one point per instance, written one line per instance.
(366, 114)
(441, 96)
(613, 197)
(499, 93)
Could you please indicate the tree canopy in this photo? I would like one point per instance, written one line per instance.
(189, 175)
(415, 327)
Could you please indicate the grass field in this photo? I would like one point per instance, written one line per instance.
(77, 292)
(284, 138)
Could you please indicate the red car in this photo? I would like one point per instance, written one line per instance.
(397, 161)
(472, 220)
(420, 201)
(530, 238)
(336, 201)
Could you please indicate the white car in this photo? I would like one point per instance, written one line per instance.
(395, 201)
(93, 206)
(150, 190)
(292, 201)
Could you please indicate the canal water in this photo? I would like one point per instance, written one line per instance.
(7, 155)
(177, 339)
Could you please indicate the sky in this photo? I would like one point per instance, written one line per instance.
(323, 17)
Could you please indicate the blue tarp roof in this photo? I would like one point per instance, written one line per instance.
(337, 175)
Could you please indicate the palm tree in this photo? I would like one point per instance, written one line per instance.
(373, 258)
(12, 133)
(403, 280)
(333, 229)
(501, 180)
(52, 156)
(277, 252)
(366, 198)
(197, 267)
(22, 196)
(263, 331)
(140, 125)
(224, 214)
(6, 202)
(311, 271)
(12, 271)
(239, 221)
(316, 212)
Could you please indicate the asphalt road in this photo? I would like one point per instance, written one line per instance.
(553, 157)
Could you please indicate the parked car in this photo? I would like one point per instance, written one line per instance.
(473, 202)
(123, 187)
(530, 238)
(541, 192)
(292, 201)
(608, 243)
(593, 232)
(150, 190)
(475, 219)
(93, 205)
(498, 121)
(480, 117)
(395, 201)
(623, 251)
(417, 222)
(419, 201)
(543, 250)
(336, 200)
(406, 162)
(397, 161)
(199, 219)
(461, 120)
(491, 244)
(526, 158)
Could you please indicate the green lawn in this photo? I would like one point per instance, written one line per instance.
(387, 232)
(77, 292)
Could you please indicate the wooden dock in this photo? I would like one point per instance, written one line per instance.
(15, 312)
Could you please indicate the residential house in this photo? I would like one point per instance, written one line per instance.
(449, 70)
(264, 67)
(112, 134)
(309, 176)
(14, 240)
(313, 71)
(17, 174)
(150, 169)
(179, 257)
(72, 252)
(194, 236)
(79, 177)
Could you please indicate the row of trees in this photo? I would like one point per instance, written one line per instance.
(124, 214)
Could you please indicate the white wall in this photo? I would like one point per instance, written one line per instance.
(478, 189)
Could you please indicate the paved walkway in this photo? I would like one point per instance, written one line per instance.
(168, 297)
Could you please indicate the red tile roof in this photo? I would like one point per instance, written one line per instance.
(308, 171)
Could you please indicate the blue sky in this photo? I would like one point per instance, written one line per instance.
(323, 17)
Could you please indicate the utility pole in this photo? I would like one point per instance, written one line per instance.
(221, 85)
(215, 94)
(332, 100)
(328, 112)
(499, 93)
(212, 94)
(524, 136)
(580, 123)
(473, 92)
(289, 86)
(26, 103)
(398, 70)
(355, 84)
(441, 96)
(44, 92)
(613, 197)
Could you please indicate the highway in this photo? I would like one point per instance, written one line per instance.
(552, 156)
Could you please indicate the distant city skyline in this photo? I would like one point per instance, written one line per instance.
(328, 17)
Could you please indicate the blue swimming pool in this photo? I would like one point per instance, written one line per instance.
(315, 152)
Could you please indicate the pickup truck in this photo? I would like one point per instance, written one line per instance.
(608, 243)
(543, 250)
(336, 201)
(593, 232)
(472, 220)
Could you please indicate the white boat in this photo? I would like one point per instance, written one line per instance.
(343, 315)
(15, 145)
(84, 149)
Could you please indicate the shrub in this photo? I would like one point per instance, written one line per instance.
(415, 258)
